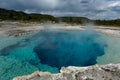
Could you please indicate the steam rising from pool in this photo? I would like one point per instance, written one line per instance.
(49, 50)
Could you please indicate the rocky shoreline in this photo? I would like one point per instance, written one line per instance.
(19, 29)
(97, 72)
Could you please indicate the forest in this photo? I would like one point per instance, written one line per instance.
(22, 16)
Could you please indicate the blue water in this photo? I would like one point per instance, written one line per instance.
(49, 50)
(73, 48)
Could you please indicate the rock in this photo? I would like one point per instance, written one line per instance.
(97, 72)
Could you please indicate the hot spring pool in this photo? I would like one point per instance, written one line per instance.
(49, 50)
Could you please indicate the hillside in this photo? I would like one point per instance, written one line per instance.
(72, 20)
(17, 15)
(21, 16)
(115, 22)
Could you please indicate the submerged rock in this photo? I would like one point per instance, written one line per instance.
(97, 72)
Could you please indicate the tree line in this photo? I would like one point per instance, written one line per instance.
(18, 15)
(108, 22)
(21, 16)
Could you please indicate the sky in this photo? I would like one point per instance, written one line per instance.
(93, 9)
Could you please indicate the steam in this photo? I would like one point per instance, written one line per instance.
(70, 48)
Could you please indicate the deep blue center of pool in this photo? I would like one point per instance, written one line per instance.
(72, 48)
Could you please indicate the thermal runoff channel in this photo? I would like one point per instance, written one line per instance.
(49, 50)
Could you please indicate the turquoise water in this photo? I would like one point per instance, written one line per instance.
(50, 50)
(16, 57)
(112, 51)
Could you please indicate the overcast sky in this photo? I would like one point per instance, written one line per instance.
(93, 9)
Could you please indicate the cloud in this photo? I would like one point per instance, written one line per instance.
(94, 9)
